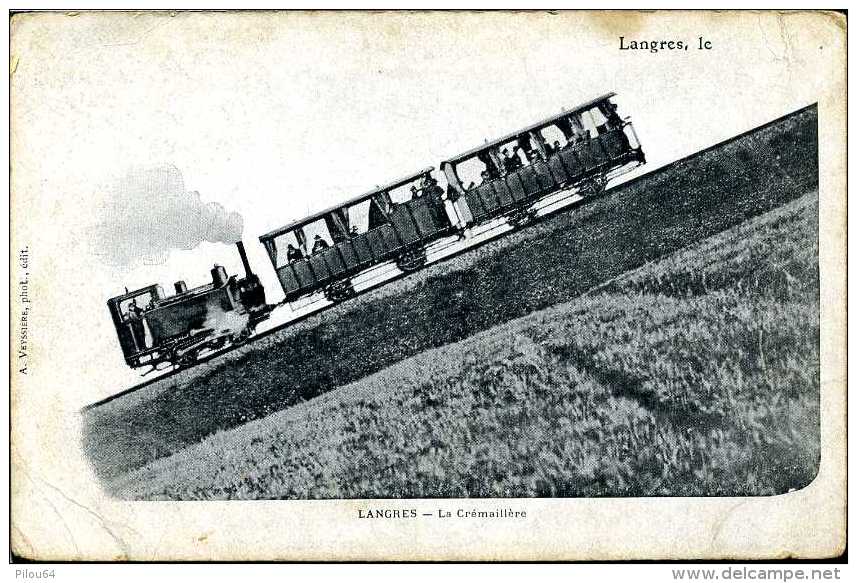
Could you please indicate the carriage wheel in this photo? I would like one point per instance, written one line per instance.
(411, 260)
(522, 218)
(339, 291)
(593, 187)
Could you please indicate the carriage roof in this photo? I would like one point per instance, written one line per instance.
(536, 126)
(317, 215)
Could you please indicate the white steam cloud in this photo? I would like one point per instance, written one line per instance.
(150, 213)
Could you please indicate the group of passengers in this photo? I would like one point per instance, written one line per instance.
(428, 188)
(318, 245)
(511, 160)
(572, 128)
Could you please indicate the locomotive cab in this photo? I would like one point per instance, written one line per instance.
(127, 311)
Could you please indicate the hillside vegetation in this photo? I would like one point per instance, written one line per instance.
(541, 266)
(694, 375)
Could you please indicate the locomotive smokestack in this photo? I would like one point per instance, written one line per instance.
(181, 287)
(247, 271)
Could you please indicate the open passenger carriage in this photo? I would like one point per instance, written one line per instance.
(325, 250)
(581, 149)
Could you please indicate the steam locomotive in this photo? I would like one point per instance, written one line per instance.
(576, 151)
(155, 329)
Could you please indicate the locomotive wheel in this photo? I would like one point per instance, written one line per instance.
(242, 336)
(187, 359)
(411, 260)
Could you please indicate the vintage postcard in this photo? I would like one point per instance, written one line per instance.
(422, 285)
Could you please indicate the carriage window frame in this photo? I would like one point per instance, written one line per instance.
(397, 193)
(589, 119)
(557, 135)
(311, 229)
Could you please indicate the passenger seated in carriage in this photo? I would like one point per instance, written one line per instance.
(532, 156)
(549, 150)
(431, 187)
(582, 136)
(609, 110)
(511, 161)
(433, 193)
(293, 253)
(319, 244)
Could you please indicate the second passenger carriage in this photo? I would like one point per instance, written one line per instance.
(582, 148)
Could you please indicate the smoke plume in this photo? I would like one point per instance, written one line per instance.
(150, 213)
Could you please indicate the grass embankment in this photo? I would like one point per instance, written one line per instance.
(694, 375)
(541, 266)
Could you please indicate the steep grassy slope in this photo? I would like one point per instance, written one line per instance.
(694, 375)
(541, 266)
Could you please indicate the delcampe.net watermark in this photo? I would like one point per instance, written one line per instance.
(766, 573)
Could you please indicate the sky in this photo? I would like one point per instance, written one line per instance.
(266, 117)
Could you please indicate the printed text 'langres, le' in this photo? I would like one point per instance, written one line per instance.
(658, 45)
